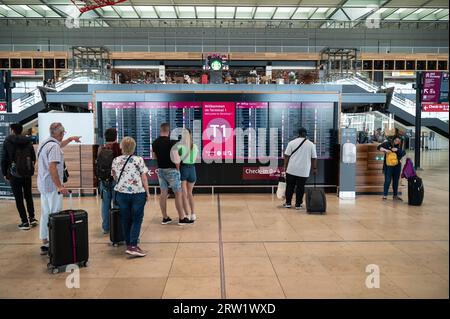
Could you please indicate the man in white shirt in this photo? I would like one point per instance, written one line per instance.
(298, 156)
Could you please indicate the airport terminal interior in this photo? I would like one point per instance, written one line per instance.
(300, 149)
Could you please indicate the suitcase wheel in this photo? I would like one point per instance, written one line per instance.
(115, 244)
(86, 263)
(53, 270)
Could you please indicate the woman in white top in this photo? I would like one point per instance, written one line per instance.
(130, 173)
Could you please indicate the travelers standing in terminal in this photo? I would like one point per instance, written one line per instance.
(130, 173)
(51, 176)
(188, 152)
(18, 161)
(298, 156)
(392, 165)
(106, 154)
(169, 174)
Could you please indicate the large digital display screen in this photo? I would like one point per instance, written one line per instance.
(186, 115)
(120, 115)
(252, 129)
(149, 117)
(218, 130)
(225, 130)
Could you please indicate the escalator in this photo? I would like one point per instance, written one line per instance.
(402, 108)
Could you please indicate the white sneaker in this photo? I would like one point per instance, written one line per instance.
(193, 217)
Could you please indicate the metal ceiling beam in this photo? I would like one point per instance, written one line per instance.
(310, 16)
(339, 6)
(412, 12)
(12, 9)
(427, 15)
(55, 10)
(29, 6)
(156, 12)
(135, 11)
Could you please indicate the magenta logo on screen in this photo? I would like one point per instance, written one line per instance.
(218, 130)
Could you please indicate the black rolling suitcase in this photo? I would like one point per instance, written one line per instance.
(316, 202)
(115, 227)
(68, 239)
(415, 191)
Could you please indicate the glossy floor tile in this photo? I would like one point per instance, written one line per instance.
(252, 248)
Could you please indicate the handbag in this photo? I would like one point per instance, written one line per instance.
(65, 173)
(281, 188)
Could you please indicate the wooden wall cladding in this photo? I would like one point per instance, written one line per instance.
(369, 175)
(80, 162)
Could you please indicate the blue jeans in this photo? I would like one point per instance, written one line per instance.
(131, 215)
(107, 192)
(391, 173)
(169, 177)
(187, 172)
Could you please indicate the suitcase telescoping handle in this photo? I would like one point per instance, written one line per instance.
(70, 199)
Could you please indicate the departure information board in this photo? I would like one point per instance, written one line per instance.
(186, 115)
(149, 117)
(251, 141)
(317, 118)
(213, 124)
(285, 118)
(120, 115)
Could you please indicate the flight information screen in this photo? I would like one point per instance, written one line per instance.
(186, 115)
(120, 115)
(251, 141)
(284, 120)
(213, 124)
(287, 118)
(317, 118)
(149, 117)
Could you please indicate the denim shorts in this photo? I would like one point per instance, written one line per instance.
(188, 173)
(169, 177)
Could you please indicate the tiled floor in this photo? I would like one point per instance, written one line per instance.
(253, 249)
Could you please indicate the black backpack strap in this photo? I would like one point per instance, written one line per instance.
(40, 149)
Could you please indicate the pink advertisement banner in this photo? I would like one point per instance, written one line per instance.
(218, 130)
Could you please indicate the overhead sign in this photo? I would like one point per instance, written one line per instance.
(435, 107)
(23, 72)
(435, 92)
(261, 173)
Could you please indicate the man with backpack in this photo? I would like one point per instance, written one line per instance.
(18, 167)
(106, 154)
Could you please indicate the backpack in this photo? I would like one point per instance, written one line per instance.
(408, 170)
(391, 159)
(23, 164)
(104, 163)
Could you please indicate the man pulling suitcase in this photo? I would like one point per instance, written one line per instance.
(299, 155)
